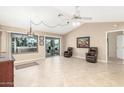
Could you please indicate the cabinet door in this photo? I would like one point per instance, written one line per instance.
(6, 74)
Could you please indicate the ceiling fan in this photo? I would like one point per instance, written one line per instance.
(78, 16)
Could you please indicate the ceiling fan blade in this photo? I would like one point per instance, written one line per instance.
(81, 18)
(86, 18)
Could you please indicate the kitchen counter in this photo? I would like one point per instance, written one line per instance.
(5, 57)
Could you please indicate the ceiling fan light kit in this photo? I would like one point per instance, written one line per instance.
(75, 24)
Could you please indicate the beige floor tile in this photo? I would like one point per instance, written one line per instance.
(69, 72)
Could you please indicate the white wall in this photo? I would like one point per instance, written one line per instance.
(97, 33)
(4, 42)
(0, 40)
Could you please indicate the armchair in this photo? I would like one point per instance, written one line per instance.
(69, 52)
(92, 54)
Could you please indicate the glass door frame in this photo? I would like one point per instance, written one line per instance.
(54, 37)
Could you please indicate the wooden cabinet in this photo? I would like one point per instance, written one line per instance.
(6, 71)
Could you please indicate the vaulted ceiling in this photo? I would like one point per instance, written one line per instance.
(20, 16)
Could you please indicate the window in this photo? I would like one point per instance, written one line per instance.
(22, 43)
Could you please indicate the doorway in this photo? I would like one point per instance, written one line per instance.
(115, 47)
(52, 46)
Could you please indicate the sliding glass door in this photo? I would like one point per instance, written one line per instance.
(52, 46)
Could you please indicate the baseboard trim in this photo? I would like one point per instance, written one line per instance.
(99, 60)
(26, 61)
(79, 57)
(102, 61)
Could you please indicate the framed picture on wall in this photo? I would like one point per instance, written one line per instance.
(41, 40)
(83, 42)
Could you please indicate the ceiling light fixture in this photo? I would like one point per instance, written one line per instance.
(75, 24)
(50, 26)
(76, 17)
(30, 33)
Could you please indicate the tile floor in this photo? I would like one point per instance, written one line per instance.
(113, 60)
(69, 72)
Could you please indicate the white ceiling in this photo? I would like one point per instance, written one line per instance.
(20, 16)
